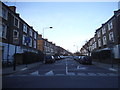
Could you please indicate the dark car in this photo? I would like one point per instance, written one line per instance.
(57, 57)
(76, 58)
(49, 59)
(85, 60)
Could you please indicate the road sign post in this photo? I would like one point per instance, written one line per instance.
(27, 41)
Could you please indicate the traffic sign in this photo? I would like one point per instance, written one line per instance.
(27, 39)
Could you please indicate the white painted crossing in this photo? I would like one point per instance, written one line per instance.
(50, 73)
(81, 68)
(59, 74)
(112, 69)
(24, 69)
(82, 74)
(92, 74)
(34, 73)
(70, 74)
(101, 74)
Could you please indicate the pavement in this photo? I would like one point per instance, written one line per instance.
(114, 67)
(9, 70)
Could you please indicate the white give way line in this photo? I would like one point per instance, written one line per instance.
(35, 73)
(82, 68)
(50, 73)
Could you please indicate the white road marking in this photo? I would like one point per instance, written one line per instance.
(112, 69)
(92, 74)
(34, 73)
(59, 74)
(70, 74)
(101, 74)
(82, 68)
(82, 74)
(112, 74)
(24, 69)
(66, 67)
(50, 73)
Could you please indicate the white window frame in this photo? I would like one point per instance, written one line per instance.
(103, 30)
(24, 28)
(94, 39)
(99, 42)
(110, 25)
(35, 35)
(111, 36)
(95, 44)
(4, 32)
(17, 34)
(5, 16)
(23, 42)
(30, 44)
(98, 33)
(18, 22)
(30, 32)
(104, 40)
(35, 44)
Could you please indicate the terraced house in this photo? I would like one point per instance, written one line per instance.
(17, 36)
(50, 48)
(107, 37)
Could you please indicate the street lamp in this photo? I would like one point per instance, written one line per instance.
(44, 52)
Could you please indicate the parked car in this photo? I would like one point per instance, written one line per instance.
(85, 60)
(76, 58)
(49, 59)
(62, 57)
(57, 57)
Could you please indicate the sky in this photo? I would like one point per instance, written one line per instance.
(73, 22)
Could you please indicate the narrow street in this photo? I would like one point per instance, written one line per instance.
(65, 73)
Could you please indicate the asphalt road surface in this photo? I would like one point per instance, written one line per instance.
(65, 73)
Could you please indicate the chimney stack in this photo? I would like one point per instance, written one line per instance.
(13, 8)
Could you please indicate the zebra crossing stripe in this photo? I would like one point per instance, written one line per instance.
(34, 73)
(59, 74)
(24, 69)
(82, 74)
(70, 74)
(112, 69)
(50, 73)
(92, 74)
(101, 74)
(112, 74)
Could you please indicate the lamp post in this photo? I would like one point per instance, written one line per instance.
(44, 51)
(16, 40)
(110, 45)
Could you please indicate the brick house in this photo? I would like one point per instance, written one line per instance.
(17, 36)
(106, 37)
